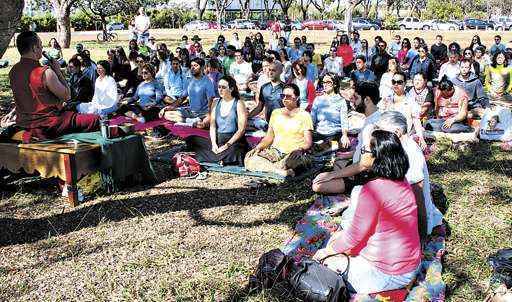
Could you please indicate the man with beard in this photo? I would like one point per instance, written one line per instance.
(200, 92)
(470, 82)
(343, 180)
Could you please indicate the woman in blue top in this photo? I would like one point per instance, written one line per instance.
(228, 119)
(145, 104)
(330, 113)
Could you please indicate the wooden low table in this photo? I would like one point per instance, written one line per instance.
(67, 161)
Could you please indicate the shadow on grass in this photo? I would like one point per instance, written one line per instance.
(19, 231)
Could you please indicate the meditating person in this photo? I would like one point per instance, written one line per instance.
(380, 60)
(55, 53)
(417, 175)
(362, 73)
(333, 63)
(498, 79)
(386, 87)
(451, 109)
(382, 241)
(288, 138)
(200, 92)
(311, 68)
(81, 87)
(346, 52)
(422, 95)
(451, 68)
(145, 104)
(474, 88)
(422, 64)
(306, 86)
(330, 113)
(105, 98)
(439, 51)
(410, 109)
(343, 179)
(241, 71)
(175, 83)
(228, 119)
(40, 92)
(269, 97)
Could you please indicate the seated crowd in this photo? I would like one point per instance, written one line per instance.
(300, 99)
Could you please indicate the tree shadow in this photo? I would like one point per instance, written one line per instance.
(19, 231)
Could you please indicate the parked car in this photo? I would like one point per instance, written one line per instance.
(259, 24)
(503, 23)
(376, 22)
(315, 25)
(296, 25)
(215, 25)
(412, 23)
(476, 24)
(444, 25)
(364, 24)
(196, 25)
(459, 23)
(241, 24)
(335, 24)
(115, 26)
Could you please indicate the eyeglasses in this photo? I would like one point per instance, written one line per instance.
(287, 97)
(328, 82)
(397, 82)
(364, 150)
(223, 87)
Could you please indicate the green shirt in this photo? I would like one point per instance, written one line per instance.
(226, 64)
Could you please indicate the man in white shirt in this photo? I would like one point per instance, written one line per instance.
(235, 41)
(241, 71)
(142, 24)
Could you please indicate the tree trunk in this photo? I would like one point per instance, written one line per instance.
(200, 7)
(11, 17)
(64, 26)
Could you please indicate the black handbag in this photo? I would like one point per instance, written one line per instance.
(273, 267)
(315, 282)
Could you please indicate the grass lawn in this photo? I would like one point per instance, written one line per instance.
(190, 240)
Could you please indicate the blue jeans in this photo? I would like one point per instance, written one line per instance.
(437, 125)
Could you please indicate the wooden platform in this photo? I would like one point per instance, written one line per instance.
(67, 161)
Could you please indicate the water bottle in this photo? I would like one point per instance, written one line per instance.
(104, 127)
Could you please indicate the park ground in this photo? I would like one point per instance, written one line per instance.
(191, 240)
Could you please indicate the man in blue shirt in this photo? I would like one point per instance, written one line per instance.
(362, 73)
(497, 46)
(295, 52)
(175, 83)
(311, 69)
(200, 92)
(269, 96)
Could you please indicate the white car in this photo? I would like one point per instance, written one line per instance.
(196, 25)
(413, 23)
(444, 25)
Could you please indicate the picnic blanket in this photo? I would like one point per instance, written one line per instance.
(181, 131)
(314, 230)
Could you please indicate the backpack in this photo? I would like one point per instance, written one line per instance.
(185, 164)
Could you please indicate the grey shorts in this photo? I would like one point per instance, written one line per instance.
(187, 113)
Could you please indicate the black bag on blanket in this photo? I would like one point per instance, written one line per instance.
(501, 263)
(315, 282)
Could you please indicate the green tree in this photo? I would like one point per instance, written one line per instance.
(442, 10)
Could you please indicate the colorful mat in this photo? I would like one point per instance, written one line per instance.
(314, 230)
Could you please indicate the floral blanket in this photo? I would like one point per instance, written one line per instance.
(314, 230)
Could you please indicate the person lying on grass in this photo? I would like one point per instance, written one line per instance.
(382, 242)
(288, 140)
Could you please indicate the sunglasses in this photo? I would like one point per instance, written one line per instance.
(328, 82)
(397, 82)
(287, 97)
(382, 45)
(140, 61)
(364, 150)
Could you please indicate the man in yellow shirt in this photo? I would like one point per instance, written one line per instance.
(288, 140)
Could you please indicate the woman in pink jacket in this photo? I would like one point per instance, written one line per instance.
(382, 242)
